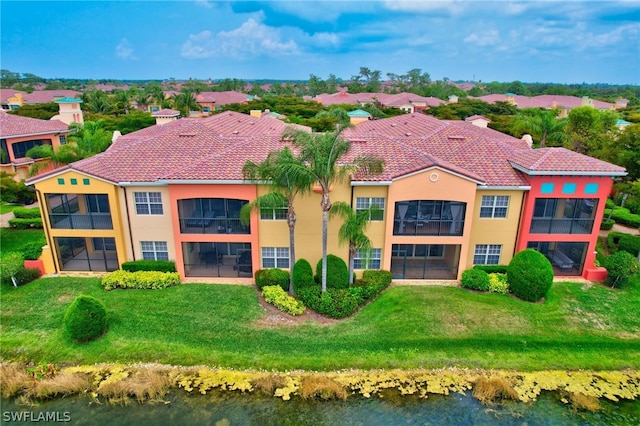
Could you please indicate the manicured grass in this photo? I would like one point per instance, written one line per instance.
(6, 208)
(577, 327)
(12, 239)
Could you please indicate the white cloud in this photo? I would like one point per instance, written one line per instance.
(124, 50)
(483, 38)
(452, 6)
(204, 3)
(250, 39)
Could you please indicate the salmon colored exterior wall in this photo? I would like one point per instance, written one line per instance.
(431, 184)
(22, 170)
(605, 184)
(95, 186)
(236, 191)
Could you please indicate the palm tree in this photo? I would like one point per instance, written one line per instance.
(89, 139)
(542, 125)
(321, 154)
(185, 101)
(284, 191)
(352, 230)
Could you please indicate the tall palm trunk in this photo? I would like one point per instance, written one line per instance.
(352, 255)
(291, 221)
(325, 204)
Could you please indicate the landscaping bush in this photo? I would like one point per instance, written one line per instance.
(625, 217)
(337, 272)
(498, 283)
(149, 265)
(630, 244)
(151, 280)
(32, 250)
(24, 213)
(372, 283)
(530, 275)
(621, 267)
(272, 277)
(26, 275)
(492, 269)
(15, 192)
(334, 303)
(475, 279)
(25, 223)
(85, 319)
(11, 264)
(607, 224)
(609, 204)
(302, 274)
(279, 298)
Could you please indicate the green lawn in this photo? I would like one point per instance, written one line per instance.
(578, 327)
(6, 208)
(12, 239)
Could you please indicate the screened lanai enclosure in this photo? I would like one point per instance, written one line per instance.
(219, 259)
(86, 254)
(425, 261)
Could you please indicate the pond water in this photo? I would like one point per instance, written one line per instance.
(229, 410)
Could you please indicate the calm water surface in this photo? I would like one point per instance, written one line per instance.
(231, 410)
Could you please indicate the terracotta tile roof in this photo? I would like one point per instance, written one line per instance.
(167, 112)
(546, 161)
(222, 98)
(5, 94)
(217, 147)
(545, 101)
(46, 96)
(15, 125)
(406, 98)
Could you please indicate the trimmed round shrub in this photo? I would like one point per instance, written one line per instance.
(85, 319)
(621, 267)
(475, 279)
(530, 275)
(607, 224)
(273, 276)
(337, 272)
(302, 274)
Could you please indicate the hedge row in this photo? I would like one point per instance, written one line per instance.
(342, 302)
(152, 280)
(149, 265)
(25, 223)
(492, 269)
(619, 241)
(275, 295)
(24, 213)
(625, 217)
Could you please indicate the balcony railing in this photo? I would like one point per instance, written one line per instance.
(81, 221)
(561, 226)
(212, 226)
(444, 227)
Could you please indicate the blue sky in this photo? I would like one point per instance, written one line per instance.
(547, 41)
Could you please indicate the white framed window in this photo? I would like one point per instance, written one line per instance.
(148, 202)
(487, 254)
(274, 213)
(372, 261)
(494, 206)
(154, 250)
(275, 257)
(364, 203)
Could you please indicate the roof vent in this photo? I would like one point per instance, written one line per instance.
(252, 123)
(186, 135)
(393, 124)
(235, 132)
(358, 140)
(408, 134)
(456, 137)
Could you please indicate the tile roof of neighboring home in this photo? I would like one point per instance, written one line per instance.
(345, 98)
(477, 117)
(15, 125)
(46, 96)
(5, 94)
(546, 161)
(166, 113)
(545, 101)
(405, 98)
(222, 98)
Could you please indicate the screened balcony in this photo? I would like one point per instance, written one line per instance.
(79, 211)
(563, 216)
(211, 216)
(429, 217)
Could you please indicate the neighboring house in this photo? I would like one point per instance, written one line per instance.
(215, 101)
(408, 102)
(561, 102)
(70, 111)
(12, 99)
(359, 116)
(452, 195)
(166, 115)
(19, 134)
